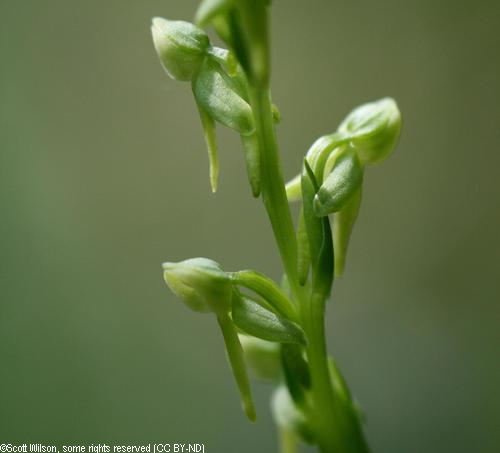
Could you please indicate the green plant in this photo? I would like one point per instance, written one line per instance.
(277, 329)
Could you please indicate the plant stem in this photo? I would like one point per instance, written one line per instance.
(334, 431)
(288, 441)
(273, 184)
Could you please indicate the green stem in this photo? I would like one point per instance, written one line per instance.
(273, 184)
(324, 417)
(334, 432)
(288, 441)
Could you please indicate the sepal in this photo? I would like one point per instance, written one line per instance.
(255, 320)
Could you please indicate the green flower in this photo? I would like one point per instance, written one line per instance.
(201, 284)
(181, 47)
(374, 129)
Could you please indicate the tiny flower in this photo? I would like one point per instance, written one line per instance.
(374, 129)
(201, 284)
(181, 46)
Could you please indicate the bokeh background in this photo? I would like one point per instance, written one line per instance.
(104, 175)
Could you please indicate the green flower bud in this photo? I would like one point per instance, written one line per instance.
(263, 357)
(373, 129)
(181, 47)
(201, 284)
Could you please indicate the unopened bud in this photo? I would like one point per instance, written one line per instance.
(180, 45)
(201, 284)
(373, 129)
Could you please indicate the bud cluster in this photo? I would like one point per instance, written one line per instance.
(368, 135)
(218, 79)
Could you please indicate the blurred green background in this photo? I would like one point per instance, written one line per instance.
(104, 175)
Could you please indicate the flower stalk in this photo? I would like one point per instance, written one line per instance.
(283, 327)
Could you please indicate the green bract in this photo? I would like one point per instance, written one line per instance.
(200, 283)
(180, 45)
(374, 129)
